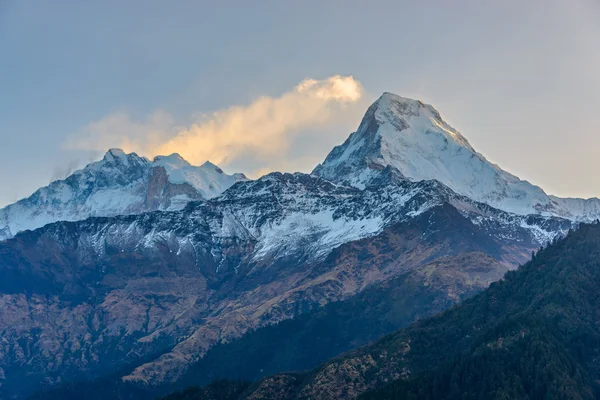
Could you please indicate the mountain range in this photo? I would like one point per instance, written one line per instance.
(148, 269)
(116, 185)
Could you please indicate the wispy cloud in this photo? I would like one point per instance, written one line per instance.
(264, 129)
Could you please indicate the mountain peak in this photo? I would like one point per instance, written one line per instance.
(412, 139)
(115, 154)
(208, 165)
(388, 98)
(208, 179)
(174, 160)
(118, 184)
(398, 105)
(404, 113)
(405, 134)
(117, 157)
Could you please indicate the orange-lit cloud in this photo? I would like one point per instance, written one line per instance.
(265, 128)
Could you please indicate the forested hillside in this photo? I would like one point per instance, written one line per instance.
(533, 335)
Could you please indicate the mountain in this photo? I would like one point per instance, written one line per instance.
(432, 262)
(155, 291)
(313, 337)
(177, 259)
(118, 184)
(412, 138)
(532, 335)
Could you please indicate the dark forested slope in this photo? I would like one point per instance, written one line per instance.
(533, 335)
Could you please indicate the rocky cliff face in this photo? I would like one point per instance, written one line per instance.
(116, 185)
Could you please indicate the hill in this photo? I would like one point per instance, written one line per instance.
(535, 334)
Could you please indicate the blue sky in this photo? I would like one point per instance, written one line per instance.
(518, 78)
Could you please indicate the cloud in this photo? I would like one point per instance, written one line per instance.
(263, 130)
(119, 130)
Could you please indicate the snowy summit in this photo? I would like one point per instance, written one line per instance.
(412, 139)
(118, 184)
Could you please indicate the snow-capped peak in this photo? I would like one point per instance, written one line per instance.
(208, 179)
(398, 111)
(174, 160)
(209, 165)
(412, 138)
(119, 183)
(116, 155)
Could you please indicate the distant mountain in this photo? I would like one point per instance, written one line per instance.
(412, 138)
(532, 335)
(118, 184)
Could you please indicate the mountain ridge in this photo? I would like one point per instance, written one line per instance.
(118, 184)
(262, 252)
(404, 136)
